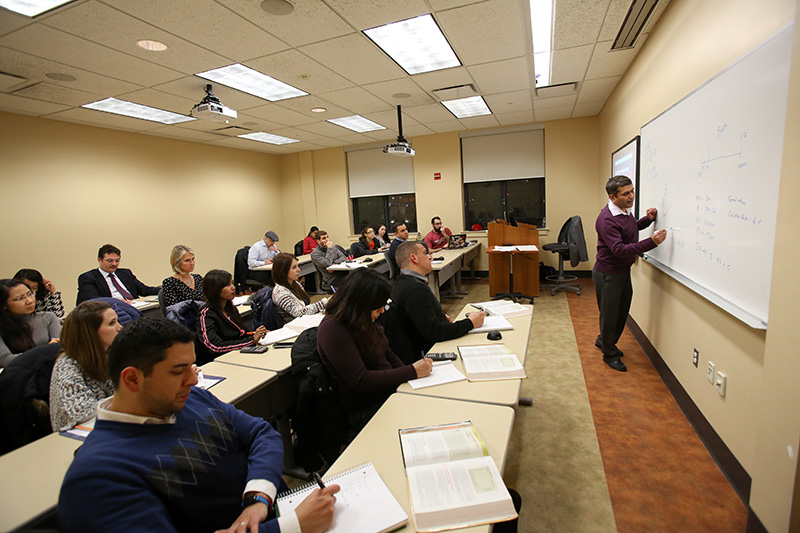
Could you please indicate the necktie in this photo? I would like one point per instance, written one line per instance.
(125, 294)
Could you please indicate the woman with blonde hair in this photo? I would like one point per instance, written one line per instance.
(289, 297)
(80, 375)
(183, 284)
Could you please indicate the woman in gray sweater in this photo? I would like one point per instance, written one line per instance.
(21, 327)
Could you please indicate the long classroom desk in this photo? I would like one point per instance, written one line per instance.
(376, 261)
(264, 273)
(246, 388)
(379, 442)
(501, 392)
(454, 261)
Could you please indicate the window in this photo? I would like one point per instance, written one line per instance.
(381, 188)
(503, 176)
(520, 200)
(377, 210)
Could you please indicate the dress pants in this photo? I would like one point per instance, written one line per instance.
(614, 296)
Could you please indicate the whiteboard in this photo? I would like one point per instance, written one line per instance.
(711, 166)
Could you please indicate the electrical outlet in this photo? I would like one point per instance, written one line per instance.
(710, 376)
(695, 357)
(721, 383)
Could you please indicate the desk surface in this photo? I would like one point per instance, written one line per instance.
(31, 479)
(379, 443)
(303, 259)
(503, 392)
(275, 359)
(240, 381)
(376, 259)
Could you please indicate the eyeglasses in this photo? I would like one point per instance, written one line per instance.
(23, 297)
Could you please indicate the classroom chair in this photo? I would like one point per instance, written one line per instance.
(571, 245)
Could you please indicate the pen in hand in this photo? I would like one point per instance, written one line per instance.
(319, 481)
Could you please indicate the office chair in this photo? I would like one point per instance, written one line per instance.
(298, 249)
(392, 270)
(161, 301)
(241, 273)
(571, 245)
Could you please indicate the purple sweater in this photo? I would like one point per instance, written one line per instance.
(617, 245)
(364, 371)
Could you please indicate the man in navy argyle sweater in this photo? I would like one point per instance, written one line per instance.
(165, 456)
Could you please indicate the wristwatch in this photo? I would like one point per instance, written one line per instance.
(250, 500)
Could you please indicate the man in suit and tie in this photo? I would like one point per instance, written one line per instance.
(110, 281)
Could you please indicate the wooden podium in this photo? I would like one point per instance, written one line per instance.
(525, 264)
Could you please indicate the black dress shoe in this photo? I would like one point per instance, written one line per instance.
(599, 345)
(615, 363)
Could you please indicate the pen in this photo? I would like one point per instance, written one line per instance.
(319, 480)
(478, 307)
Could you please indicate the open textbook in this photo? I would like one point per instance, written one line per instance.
(364, 502)
(486, 362)
(504, 308)
(452, 481)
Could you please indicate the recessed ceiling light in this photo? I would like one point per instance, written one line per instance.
(130, 109)
(152, 46)
(474, 106)
(268, 138)
(356, 123)
(417, 45)
(252, 82)
(318, 109)
(60, 77)
(277, 7)
(542, 16)
(31, 8)
(400, 95)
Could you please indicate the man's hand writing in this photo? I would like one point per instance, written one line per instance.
(651, 213)
(315, 514)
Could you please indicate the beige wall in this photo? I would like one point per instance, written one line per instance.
(68, 188)
(692, 42)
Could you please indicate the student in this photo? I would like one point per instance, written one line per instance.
(310, 242)
(415, 321)
(289, 297)
(166, 456)
(80, 376)
(380, 235)
(219, 326)
(400, 236)
(47, 297)
(263, 251)
(326, 254)
(183, 284)
(367, 244)
(21, 327)
(110, 281)
(438, 237)
(356, 352)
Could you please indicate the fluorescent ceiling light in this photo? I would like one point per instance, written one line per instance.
(129, 109)
(474, 106)
(268, 138)
(417, 45)
(252, 82)
(542, 16)
(31, 8)
(356, 123)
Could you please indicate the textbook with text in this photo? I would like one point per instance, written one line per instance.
(487, 362)
(452, 480)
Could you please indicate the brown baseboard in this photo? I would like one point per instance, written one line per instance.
(730, 466)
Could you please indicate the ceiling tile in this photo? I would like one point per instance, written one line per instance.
(372, 65)
(26, 106)
(176, 132)
(440, 5)
(553, 113)
(502, 76)
(300, 71)
(10, 21)
(443, 78)
(389, 119)
(280, 115)
(570, 64)
(328, 142)
(105, 25)
(486, 121)
(558, 101)
(509, 102)
(578, 22)
(56, 45)
(311, 21)
(304, 104)
(520, 117)
(247, 144)
(617, 10)
(386, 90)
(425, 114)
(324, 129)
(499, 35)
(193, 88)
(606, 62)
(105, 120)
(35, 68)
(205, 23)
(357, 100)
(160, 100)
(597, 90)
(355, 138)
(416, 130)
(447, 125)
(294, 133)
(365, 15)
(57, 94)
(588, 110)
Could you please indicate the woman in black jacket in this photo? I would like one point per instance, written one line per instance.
(367, 244)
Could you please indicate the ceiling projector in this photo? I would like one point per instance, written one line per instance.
(401, 148)
(210, 108)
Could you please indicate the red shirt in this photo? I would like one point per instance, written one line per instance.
(437, 240)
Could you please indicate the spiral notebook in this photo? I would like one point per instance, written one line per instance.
(364, 502)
